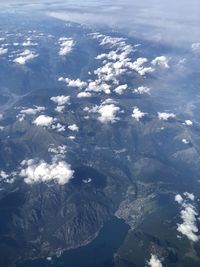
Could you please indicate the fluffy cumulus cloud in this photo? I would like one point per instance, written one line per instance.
(165, 116)
(120, 89)
(108, 113)
(34, 171)
(189, 215)
(58, 151)
(196, 47)
(179, 199)
(161, 61)
(84, 94)
(139, 67)
(25, 56)
(138, 114)
(73, 127)
(43, 120)
(49, 122)
(154, 261)
(116, 64)
(142, 90)
(3, 51)
(98, 86)
(188, 122)
(8, 178)
(29, 112)
(60, 100)
(58, 127)
(73, 83)
(66, 46)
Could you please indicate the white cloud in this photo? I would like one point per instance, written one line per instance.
(73, 83)
(60, 109)
(3, 175)
(60, 150)
(29, 43)
(120, 89)
(142, 90)
(24, 57)
(3, 51)
(49, 122)
(60, 100)
(138, 66)
(66, 46)
(185, 141)
(165, 116)
(161, 61)
(43, 120)
(190, 196)
(58, 127)
(84, 94)
(179, 199)
(34, 171)
(98, 86)
(73, 127)
(108, 113)
(7, 177)
(138, 114)
(71, 137)
(154, 261)
(32, 111)
(188, 122)
(196, 47)
(189, 216)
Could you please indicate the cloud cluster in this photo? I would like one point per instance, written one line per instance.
(61, 101)
(165, 116)
(115, 64)
(25, 56)
(142, 90)
(29, 111)
(58, 151)
(138, 114)
(34, 171)
(66, 45)
(139, 66)
(161, 62)
(189, 215)
(8, 178)
(154, 261)
(49, 122)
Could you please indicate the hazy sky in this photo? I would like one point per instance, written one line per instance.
(160, 20)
